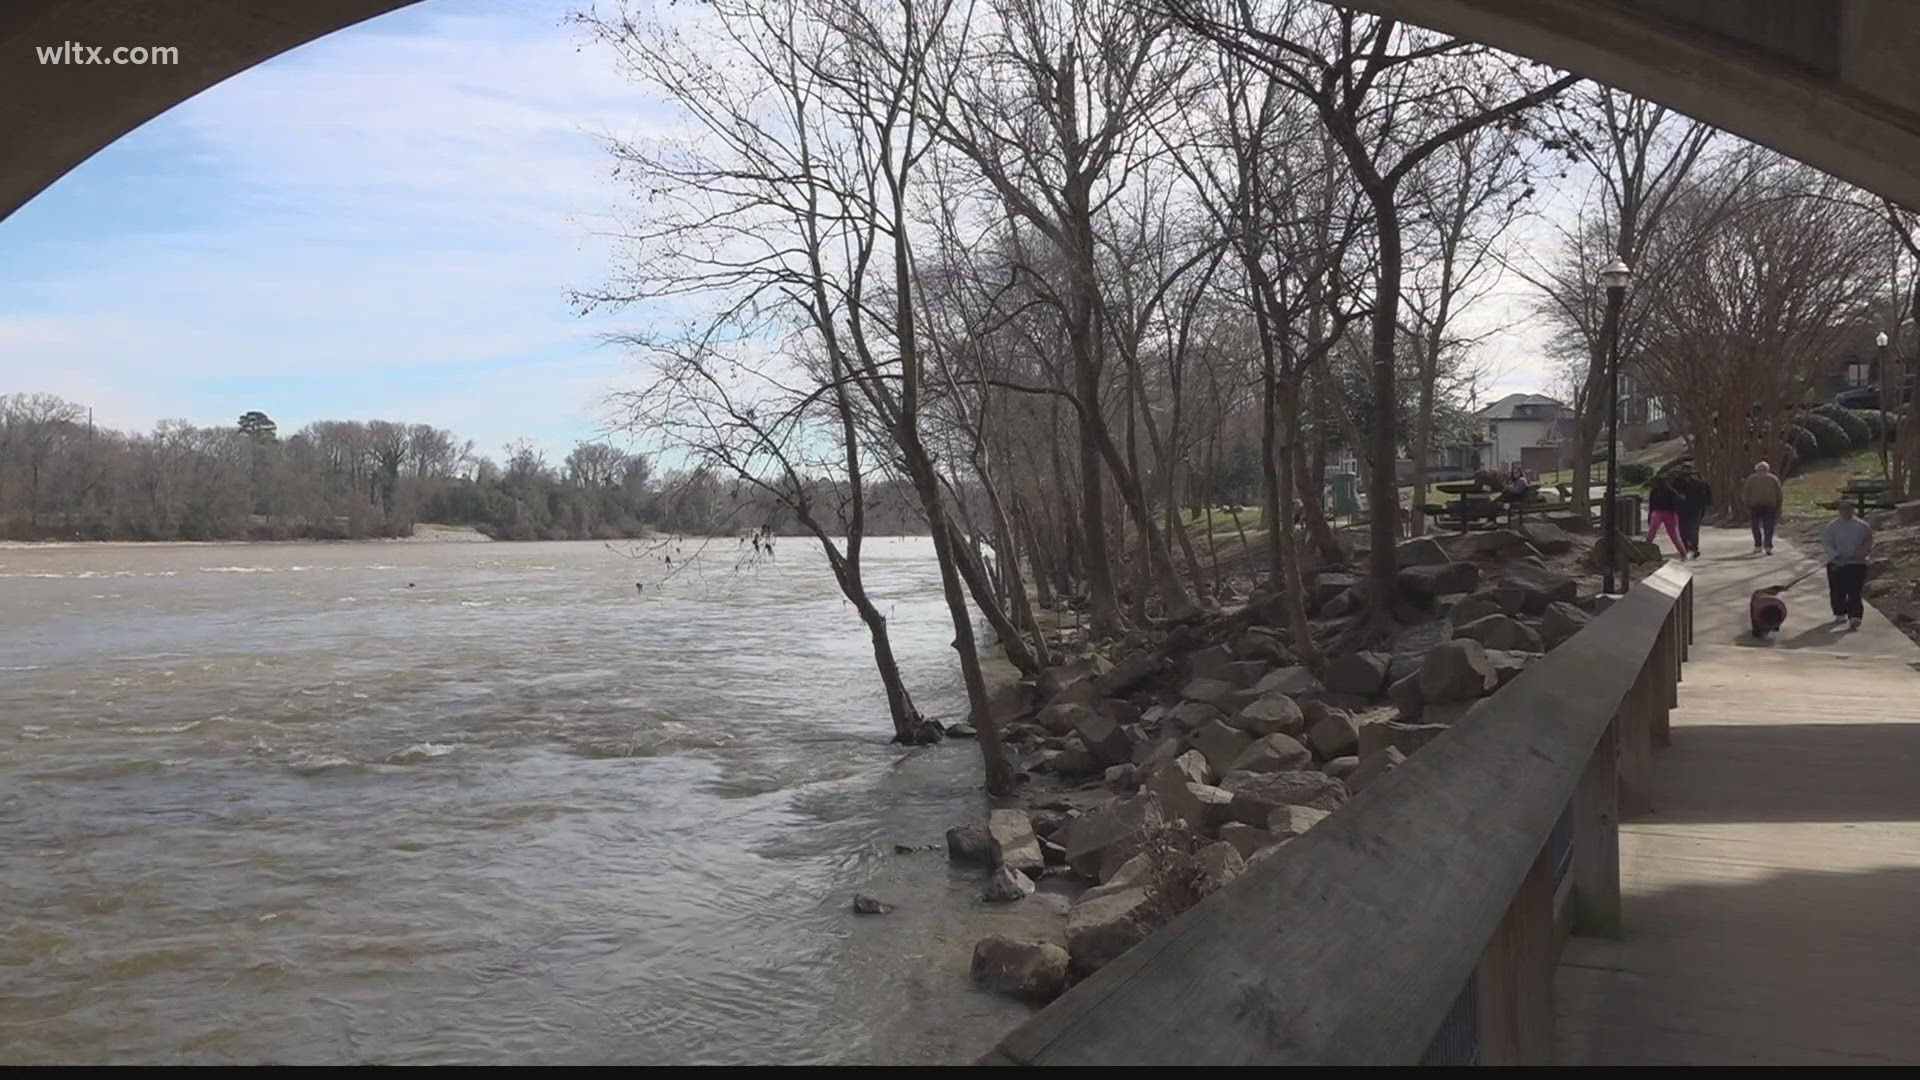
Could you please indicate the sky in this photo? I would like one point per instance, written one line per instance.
(384, 223)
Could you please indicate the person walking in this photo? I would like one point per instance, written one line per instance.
(1663, 508)
(1763, 495)
(1848, 542)
(1696, 498)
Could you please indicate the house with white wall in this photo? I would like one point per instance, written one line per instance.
(1518, 421)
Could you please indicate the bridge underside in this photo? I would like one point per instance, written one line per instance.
(1826, 81)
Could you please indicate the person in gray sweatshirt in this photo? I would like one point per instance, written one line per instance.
(1848, 542)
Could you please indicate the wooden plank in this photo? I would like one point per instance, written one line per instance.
(1516, 975)
(1635, 769)
(1351, 945)
(1596, 841)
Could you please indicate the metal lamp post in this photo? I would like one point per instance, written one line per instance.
(1886, 376)
(1614, 279)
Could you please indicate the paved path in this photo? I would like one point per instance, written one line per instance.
(1772, 900)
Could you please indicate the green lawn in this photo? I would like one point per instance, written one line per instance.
(1822, 483)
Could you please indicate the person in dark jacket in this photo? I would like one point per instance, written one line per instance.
(1696, 498)
(1663, 508)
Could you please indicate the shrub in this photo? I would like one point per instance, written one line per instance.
(1831, 437)
(1801, 441)
(1634, 472)
(1855, 425)
(1875, 421)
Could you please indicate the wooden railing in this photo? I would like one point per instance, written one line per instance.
(1423, 921)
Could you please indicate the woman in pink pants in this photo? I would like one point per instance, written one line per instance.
(1663, 509)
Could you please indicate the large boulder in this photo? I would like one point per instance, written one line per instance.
(1150, 754)
(1559, 622)
(1061, 717)
(1349, 602)
(1274, 714)
(1212, 692)
(1256, 644)
(1406, 738)
(1539, 586)
(1485, 544)
(1456, 670)
(1362, 673)
(1210, 663)
(971, 845)
(1014, 842)
(1013, 702)
(1342, 767)
(1189, 715)
(1373, 766)
(1273, 753)
(1477, 606)
(1437, 579)
(1099, 842)
(1220, 744)
(1202, 806)
(1291, 681)
(1220, 863)
(1421, 551)
(1245, 838)
(1103, 923)
(1118, 710)
(1036, 972)
(1257, 795)
(1328, 584)
(1546, 537)
(1333, 736)
(1406, 697)
(1501, 632)
(1291, 821)
(1131, 671)
(1107, 741)
(1508, 665)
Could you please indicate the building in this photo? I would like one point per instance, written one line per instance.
(1519, 421)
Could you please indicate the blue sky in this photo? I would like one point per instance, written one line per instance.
(383, 223)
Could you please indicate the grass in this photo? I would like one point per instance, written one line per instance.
(1822, 483)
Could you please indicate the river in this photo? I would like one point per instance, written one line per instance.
(485, 803)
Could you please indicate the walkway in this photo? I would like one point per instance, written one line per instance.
(1772, 900)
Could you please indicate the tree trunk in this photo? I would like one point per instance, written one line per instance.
(1383, 491)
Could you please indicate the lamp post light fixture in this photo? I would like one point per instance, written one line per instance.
(1614, 279)
(1886, 376)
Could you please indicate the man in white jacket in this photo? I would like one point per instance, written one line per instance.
(1848, 542)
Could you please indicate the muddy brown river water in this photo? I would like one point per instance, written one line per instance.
(423, 803)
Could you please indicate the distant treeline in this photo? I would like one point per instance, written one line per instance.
(62, 478)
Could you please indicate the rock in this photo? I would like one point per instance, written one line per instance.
(1501, 632)
(1539, 586)
(1254, 645)
(1546, 537)
(1291, 821)
(1209, 663)
(1476, 606)
(1246, 839)
(1257, 795)
(1373, 766)
(867, 905)
(1207, 691)
(1105, 740)
(1451, 713)
(1246, 672)
(1220, 744)
(1422, 551)
(1123, 779)
(1151, 754)
(1406, 738)
(1334, 736)
(1131, 671)
(1328, 584)
(1220, 863)
(1292, 681)
(1342, 767)
(1343, 605)
(1506, 665)
(971, 845)
(1273, 753)
(1071, 760)
(1273, 714)
(1036, 972)
(1007, 885)
(1061, 718)
(1512, 601)
(1598, 604)
(1193, 768)
(1053, 853)
(1406, 697)
(1100, 841)
(1014, 842)
(1202, 806)
(1189, 715)
(1046, 823)
(1101, 925)
(960, 729)
(1488, 543)
(1118, 710)
(1362, 673)
(1559, 622)
(1456, 670)
(1408, 612)
(1433, 579)
(1011, 702)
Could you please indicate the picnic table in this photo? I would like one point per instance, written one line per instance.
(1869, 494)
(1472, 507)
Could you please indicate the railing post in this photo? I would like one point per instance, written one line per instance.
(1666, 689)
(1516, 975)
(1635, 722)
(1596, 840)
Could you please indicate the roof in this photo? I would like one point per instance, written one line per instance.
(1505, 408)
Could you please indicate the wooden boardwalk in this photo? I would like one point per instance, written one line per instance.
(1772, 899)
